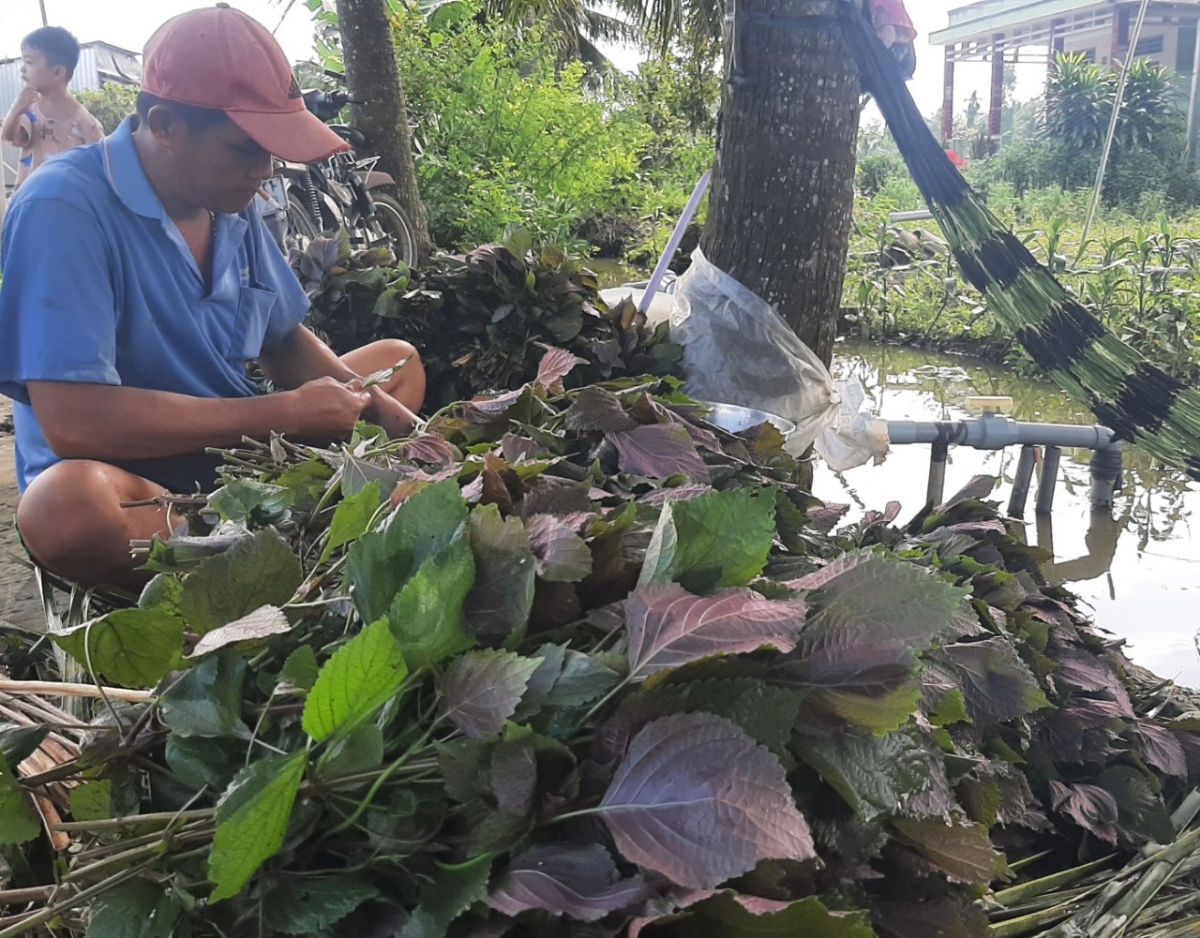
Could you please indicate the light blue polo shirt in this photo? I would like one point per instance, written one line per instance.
(100, 288)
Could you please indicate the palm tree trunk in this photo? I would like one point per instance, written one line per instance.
(783, 184)
(381, 113)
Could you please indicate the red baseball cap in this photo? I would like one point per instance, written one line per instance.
(220, 58)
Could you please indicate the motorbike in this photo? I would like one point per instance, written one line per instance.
(344, 192)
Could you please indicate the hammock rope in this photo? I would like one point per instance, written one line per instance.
(1139, 401)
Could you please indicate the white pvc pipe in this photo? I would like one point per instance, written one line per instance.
(664, 262)
(998, 432)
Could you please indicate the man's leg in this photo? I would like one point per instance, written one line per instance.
(71, 517)
(407, 386)
(73, 524)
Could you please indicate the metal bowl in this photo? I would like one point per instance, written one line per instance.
(734, 418)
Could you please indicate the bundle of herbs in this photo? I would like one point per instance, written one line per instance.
(482, 320)
(576, 662)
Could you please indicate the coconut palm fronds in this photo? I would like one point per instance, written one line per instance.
(1138, 400)
(1154, 895)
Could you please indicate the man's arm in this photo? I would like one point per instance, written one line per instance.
(12, 131)
(58, 352)
(108, 422)
(301, 357)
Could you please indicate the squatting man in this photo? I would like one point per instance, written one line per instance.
(139, 282)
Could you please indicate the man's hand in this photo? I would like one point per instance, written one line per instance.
(324, 410)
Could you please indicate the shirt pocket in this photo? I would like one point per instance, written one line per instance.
(250, 325)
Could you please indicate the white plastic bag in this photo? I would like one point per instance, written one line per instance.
(854, 437)
(738, 350)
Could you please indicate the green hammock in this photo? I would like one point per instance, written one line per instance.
(1136, 399)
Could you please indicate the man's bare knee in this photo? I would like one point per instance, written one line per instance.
(71, 520)
(407, 385)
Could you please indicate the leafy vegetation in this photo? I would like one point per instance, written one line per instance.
(481, 321)
(1140, 276)
(547, 682)
(1137, 270)
(511, 133)
(110, 104)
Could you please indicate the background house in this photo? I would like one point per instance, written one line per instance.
(1008, 31)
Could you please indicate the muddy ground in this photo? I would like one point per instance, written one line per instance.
(19, 603)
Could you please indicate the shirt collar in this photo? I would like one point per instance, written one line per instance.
(128, 179)
(125, 173)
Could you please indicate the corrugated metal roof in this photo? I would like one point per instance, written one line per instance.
(89, 45)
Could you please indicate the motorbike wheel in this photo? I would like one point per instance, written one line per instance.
(300, 227)
(395, 225)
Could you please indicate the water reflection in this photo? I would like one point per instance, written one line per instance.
(1103, 532)
(1138, 568)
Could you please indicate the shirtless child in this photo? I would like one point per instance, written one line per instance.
(45, 119)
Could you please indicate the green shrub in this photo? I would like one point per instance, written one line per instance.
(875, 172)
(1135, 174)
(111, 104)
(511, 134)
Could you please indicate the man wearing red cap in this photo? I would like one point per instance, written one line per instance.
(139, 282)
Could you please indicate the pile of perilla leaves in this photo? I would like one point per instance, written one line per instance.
(482, 320)
(578, 663)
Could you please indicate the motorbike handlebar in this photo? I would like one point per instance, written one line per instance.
(326, 104)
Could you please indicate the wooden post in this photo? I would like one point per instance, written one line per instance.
(994, 115)
(948, 99)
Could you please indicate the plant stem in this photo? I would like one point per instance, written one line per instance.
(419, 765)
(30, 894)
(571, 815)
(106, 849)
(136, 820)
(606, 698)
(148, 851)
(379, 782)
(52, 911)
(57, 689)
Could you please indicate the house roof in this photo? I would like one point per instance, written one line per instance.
(88, 45)
(988, 17)
(975, 31)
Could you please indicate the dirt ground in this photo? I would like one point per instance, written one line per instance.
(19, 602)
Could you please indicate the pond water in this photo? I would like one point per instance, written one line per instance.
(1137, 571)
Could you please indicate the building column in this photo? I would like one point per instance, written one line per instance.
(994, 115)
(1120, 36)
(1193, 100)
(948, 99)
(1057, 44)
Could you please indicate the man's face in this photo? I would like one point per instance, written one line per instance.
(222, 165)
(36, 72)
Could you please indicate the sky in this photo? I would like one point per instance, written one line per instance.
(129, 23)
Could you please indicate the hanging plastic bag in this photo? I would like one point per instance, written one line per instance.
(854, 437)
(738, 350)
